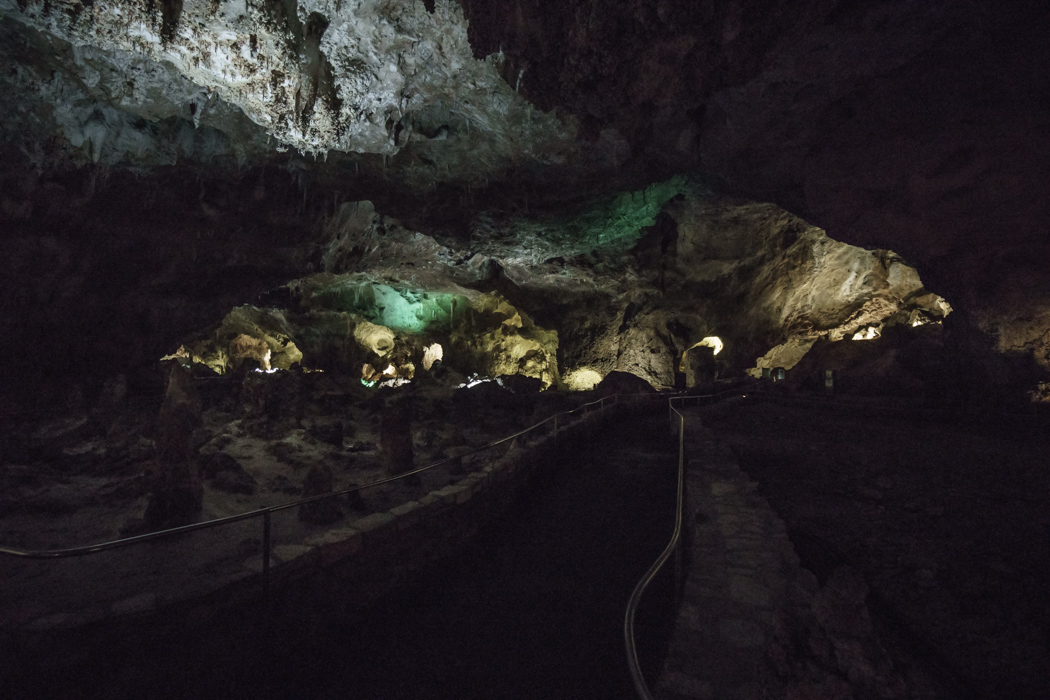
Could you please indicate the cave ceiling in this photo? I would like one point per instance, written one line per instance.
(505, 135)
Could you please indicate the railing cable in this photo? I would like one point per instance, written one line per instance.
(673, 546)
(208, 524)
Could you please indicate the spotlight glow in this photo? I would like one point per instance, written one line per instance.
(870, 334)
(432, 354)
(713, 342)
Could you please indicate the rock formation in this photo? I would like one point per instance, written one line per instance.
(395, 435)
(175, 492)
(427, 154)
(319, 481)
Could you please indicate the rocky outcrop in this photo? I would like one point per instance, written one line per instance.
(763, 281)
(890, 125)
(176, 494)
(354, 77)
(663, 272)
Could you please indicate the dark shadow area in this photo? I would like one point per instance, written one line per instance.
(534, 608)
(943, 516)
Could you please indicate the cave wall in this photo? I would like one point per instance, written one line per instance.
(940, 151)
(110, 272)
(106, 272)
(922, 128)
(150, 180)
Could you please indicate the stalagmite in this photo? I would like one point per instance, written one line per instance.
(395, 436)
(176, 493)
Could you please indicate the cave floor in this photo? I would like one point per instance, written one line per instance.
(944, 517)
(532, 608)
(87, 487)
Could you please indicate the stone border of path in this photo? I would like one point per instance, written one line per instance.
(742, 569)
(753, 622)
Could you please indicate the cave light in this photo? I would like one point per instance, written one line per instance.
(923, 321)
(472, 381)
(393, 309)
(431, 354)
(869, 334)
(713, 342)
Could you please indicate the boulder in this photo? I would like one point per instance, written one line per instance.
(622, 383)
(330, 433)
(227, 474)
(319, 481)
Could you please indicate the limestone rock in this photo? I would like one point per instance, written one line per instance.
(331, 433)
(227, 474)
(319, 481)
(829, 647)
(622, 383)
(355, 77)
(176, 492)
(700, 367)
(395, 436)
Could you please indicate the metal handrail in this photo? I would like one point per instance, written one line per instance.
(266, 512)
(208, 524)
(844, 402)
(673, 547)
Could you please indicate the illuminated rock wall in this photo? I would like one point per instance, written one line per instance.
(357, 76)
(497, 339)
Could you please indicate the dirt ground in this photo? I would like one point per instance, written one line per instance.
(72, 480)
(946, 516)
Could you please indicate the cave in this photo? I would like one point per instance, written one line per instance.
(257, 253)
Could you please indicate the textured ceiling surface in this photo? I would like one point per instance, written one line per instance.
(315, 77)
(508, 129)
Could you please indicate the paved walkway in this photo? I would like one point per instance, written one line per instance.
(742, 569)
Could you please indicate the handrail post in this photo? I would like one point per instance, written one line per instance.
(681, 490)
(266, 555)
(555, 429)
